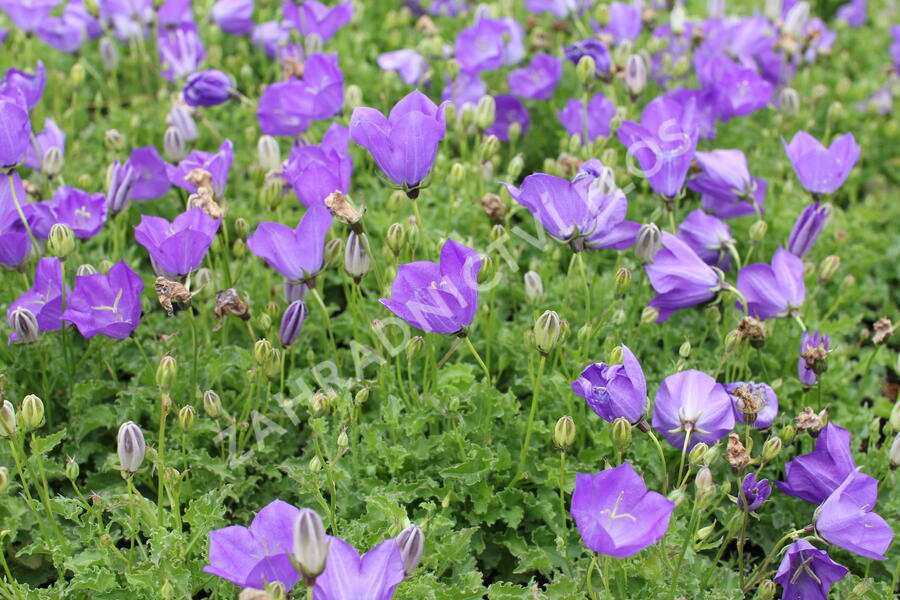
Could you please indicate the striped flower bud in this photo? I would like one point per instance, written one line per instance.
(131, 447)
(411, 542)
(31, 412)
(310, 545)
(292, 322)
(24, 324)
(7, 420)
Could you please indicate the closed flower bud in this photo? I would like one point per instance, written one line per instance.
(457, 174)
(131, 447)
(268, 153)
(212, 404)
(334, 250)
(396, 237)
(704, 480)
(356, 256)
(684, 351)
(24, 324)
(361, 396)
(649, 315)
(547, 332)
(52, 163)
(114, 139)
(415, 346)
(677, 496)
(698, 454)
(61, 241)
(4, 479)
(272, 366)
(239, 248)
(31, 413)
(601, 15)
(85, 269)
(292, 322)
(712, 455)
(263, 320)
(174, 144)
(564, 433)
(490, 145)
(894, 453)
(830, 265)
(353, 97)
(534, 286)
(789, 100)
(318, 404)
(515, 166)
(310, 545)
(621, 434)
(109, 54)
(758, 231)
(616, 355)
(788, 433)
(7, 420)
(704, 532)
(262, 349)
(343, 440)
(488, 269)
(772, 448)
(585, 69)
(166, 372)
(678, 19)
(835, 112)
(72, 469)
(485, 112)
(622, 280)
(315, 465)
(648, 242)
(767, 590)
(411, 543)
(635, 75)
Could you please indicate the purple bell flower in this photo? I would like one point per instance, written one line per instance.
(763, 397)
(274, 37)
(807, 573)
(616, 514)
(15, 133)
(44, 299)
(509, 110)
(251, 557)
(317, 171)
(181, 117)
(615, 391)
(663, 143)
(773, 291)
(538, 80)
(490, 44)
(755, 492)
(680, 277)
(233, 16)
(15, 246)
(894, 48)
(410, 65)
(854, 13)
(600, 113)
(468, 88)
(726, 187)
(447, 8)
(51, 137)
(107, 305)
(815, 475)
(404, 145)
(348, 576)
(177, 248)
(806, 230)
(28, 15)
(708, 237)
(739, 90)
(438, 297)
(692, 401)
(847, 519)
(216, 164)
(128, 18)
(625, 21)
(173, 13)
(809, 342)
(66, 33)
(180, 51)
(314, 18)
(558, 8)
(151, 179)
(822, 170)
(208, 88)
(84, 213)
(295, 253)
(593, 48)
(580, 212)
(289, 107)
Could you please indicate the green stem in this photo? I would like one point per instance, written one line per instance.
(562, 499)
(688, 536)
(321, 303)
(606, 577)
(535, 394)
(161, 451)
(662, 460)
(687, 441)
(760, 571)
(590, 571)
(15, 197)
(487, 374)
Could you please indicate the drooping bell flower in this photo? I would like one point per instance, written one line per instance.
(83, 212)
(753, 492)
(806, 229)
(315, 18)
(822, 170)
(217, 165)
(807, 573)
(274, 37)
(404, 145)
(625, 21)
(754, 403)
(208, 88)
(663, 143)
(181, 117)
(814, 349)
(490, 44)
(151, 179)
(44, 299)
(538, 80)
(173, 13)
(680, 277)
(51, 137)
(739, 90)
(129, 20)
(815, 475)
(66, 33)
(616, 514)
(108, 304)
(252, 557)
(558, 8)
(15, 246)
(409, 64)
(317, 171)
(773, 291)
(847, 518)
(854, 13)
(615, 391)
(438, 297)
(692, 403)
(348, 576)
(708, 237)
(509, 111)
(177, 248)
(233, 16)
(28, 15)
(594, 48)
(15, 134)
(295, 253)
(289, 107)
(600, 113)
(586, 212)
(726, 187)
(181, 51)
(467, 89)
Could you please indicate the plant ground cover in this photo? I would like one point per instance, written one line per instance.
(377, 416)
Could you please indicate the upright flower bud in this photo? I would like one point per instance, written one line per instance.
(166, 372)
(24, 324)
(547, 332)
(758, 231)
(353, 97)
(649, 315)
(635, 75)
(789, 100)
(515, 166)
(830, 265)
(767, 589)
(622, 280)
(292, 322)
(585, 69)
(85, 269)
(72, 469)
(61, 241)
(334, 249)
(796, 19)
(698, 454)
(894, 453)
(109, 54)
(7, 420)
(262, 349)
(186, 417)
(268, 153)
(4, 479)
(704, 480)
(534, 286)
(678, 19)
(485, 112)
(621, 434)
(772, 448)
(648, 242)
(684, 351)
(114, 139)
(212, 404)
(310, 545)
(174, 145)
(52, 163)
(131, 447)
(564, 433)
(396, 237)
(32, 412)
(356, 256)
(411, 542)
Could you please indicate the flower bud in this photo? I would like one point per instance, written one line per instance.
(534, 286)
(4, 479)
(704, 480)
(635, 75)
(894, 453)
(678, 19)
(262, 349)
(684, 351)
(353, 97)
(263, 320)
(186, 417)
(621, 434)
(334, 249)
(547, 332)
(72, 469)
(488, 269)
(789, 100)
(795, 20)
(585, 69)
(766, 590)
(704, 532)
(712, 455)
(564, 433)
(698, 454)
(677, 496)
(7, 420)
(648, 242)
(310, 545)
(601, 15)
(272, 366)
(649, 315)
(212, 404)
(362, 395)
(292, 322)
(485, 112)
(52, 163)
(828, 267)
(343, 440)
(758, 231)
(24, 324)
(411, 543)
(85, 269)
(622, 280)
(109, 54)
(174, 145)
(356, 256)
(396, 237)
(894, 419)
(31, 413)
(166, 372)
(772, 448)
(515, 166)
(131, 447)
(61, 241)
(268, 153)
(114, 139)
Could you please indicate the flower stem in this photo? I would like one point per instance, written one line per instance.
(562, 499)
(321, 303)
(487, 374)
(762, 568)
(688, 537)
(662, 461)
(535, 393)
(161, 451)
(684, 447)
(590, 571)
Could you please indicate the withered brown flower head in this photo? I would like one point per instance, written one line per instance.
(752, 330)
(229, 304)
(736, 454)
(168, 291)
(812, 422)
(883, 330)
(493, 207)
(338, 203)
(751, 405)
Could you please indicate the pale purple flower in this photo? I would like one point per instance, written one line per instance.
(175, 12)
(754, 491)
(691, 402)
(815, 475)
(808, 342)
(708, 237)
(44, 298)
(773, 291)
(509, 111)
(847, 518)
(289, 107)
(28, 15)
(84, 213)
(108, 304)
(217, 165)
(615, 391)
(208, 88)
(51, 137)
(348, 576)
(763, 396)
(128, 18)
(15, 245)
(894, 48)
(806, 229)
(594, 48)
(295, 253)
(490, 44)
(315, 18)
(274, 37)
(177, 248)
(807, 573)
(151, 179)
(233, 16)
(15, 127)
(409, 64)
(625, 21)
(538, 80)
(822, 170)
(67, 33)
(600, 113)
(558, 8)
(317, 171)
(854, 13)
(726, 187)
(680, 277)
(467, 88)
(180, 51)
(616, 514)
(739, 90)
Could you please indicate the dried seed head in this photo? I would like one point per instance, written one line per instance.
(736, 455)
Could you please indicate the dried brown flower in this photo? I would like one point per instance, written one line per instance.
(229, 304)
(168, 291)
(736, 454)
